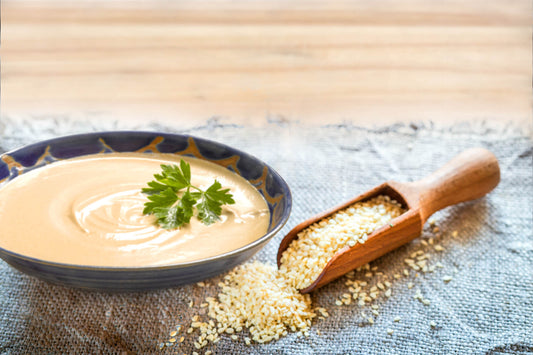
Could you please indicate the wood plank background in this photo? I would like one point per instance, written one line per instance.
(365, 61)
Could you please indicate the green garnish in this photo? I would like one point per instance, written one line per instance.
(173, 202)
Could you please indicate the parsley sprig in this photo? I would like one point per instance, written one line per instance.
(172, 198)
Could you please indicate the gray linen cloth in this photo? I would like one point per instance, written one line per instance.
(487, 307)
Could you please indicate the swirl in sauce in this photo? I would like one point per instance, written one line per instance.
(88, 211)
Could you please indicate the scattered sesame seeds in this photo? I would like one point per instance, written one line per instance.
(278, 308)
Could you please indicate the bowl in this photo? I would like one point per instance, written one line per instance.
(265, 179)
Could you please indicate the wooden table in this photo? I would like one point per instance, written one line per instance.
(365, 61)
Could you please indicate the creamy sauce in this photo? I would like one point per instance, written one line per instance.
(88, 211)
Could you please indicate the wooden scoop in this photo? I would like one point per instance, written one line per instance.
(470, 175)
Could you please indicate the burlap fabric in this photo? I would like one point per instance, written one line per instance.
(486, 308)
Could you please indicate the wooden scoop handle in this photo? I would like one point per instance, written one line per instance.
(470, 175)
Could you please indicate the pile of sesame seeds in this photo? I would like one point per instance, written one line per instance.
(306, 256)
(257, 296)
(262, 302)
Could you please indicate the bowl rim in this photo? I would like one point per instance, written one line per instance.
(264, 238)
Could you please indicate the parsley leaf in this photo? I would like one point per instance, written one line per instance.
(174, 207)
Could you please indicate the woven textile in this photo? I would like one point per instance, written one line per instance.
(487, 307)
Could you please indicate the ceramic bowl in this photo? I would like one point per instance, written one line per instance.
(267, 181)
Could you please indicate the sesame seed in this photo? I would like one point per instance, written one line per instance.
(390, 331)
(173, 334)
(438, 247)
(432, 324)
(397, 319)
(447, 278)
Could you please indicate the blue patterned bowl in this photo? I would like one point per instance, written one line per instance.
(269, 183)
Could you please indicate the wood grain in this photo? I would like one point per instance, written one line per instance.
(319, 61)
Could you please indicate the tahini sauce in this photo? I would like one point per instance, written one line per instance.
(88, 211)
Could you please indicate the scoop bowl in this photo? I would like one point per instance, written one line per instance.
(468, 176)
